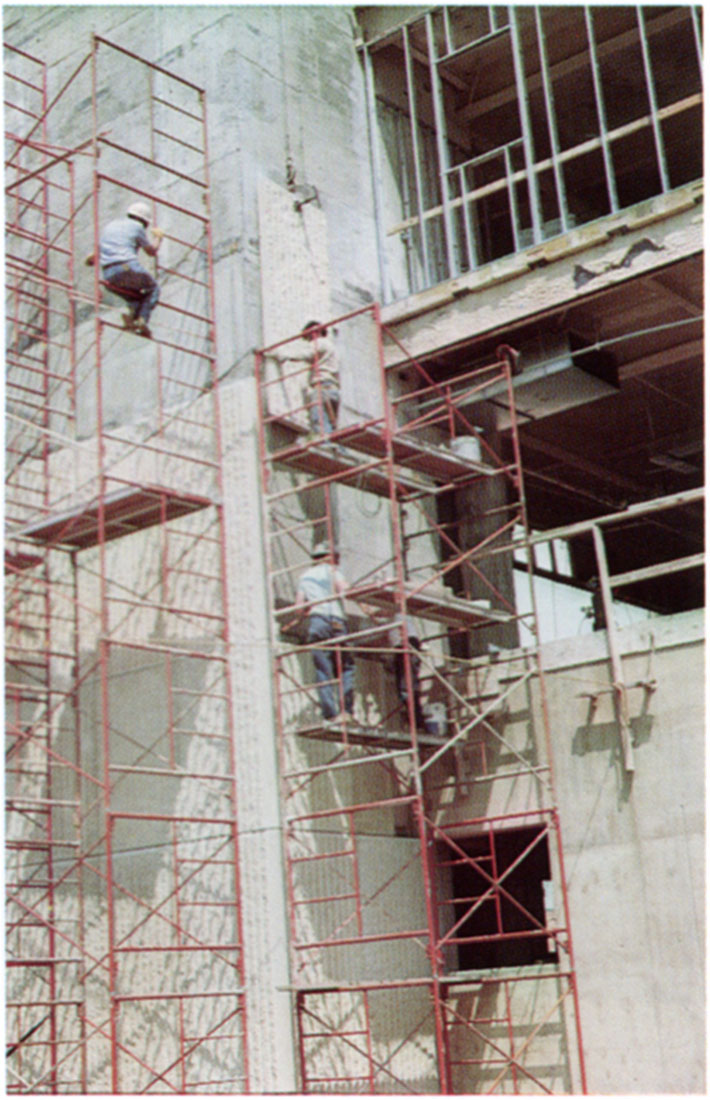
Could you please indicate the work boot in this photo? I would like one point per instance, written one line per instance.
(128, 319)
(338, 721)
(141, 327)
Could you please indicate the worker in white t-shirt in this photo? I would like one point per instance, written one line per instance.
(320, 595)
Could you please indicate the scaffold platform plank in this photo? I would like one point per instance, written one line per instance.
(436, 461)
(125, 511)
(436, 605)
(357, 734)
(18, 561)
(330, 460)
(439, 606)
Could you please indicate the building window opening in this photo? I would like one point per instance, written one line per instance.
(513, 126)
(498, 899)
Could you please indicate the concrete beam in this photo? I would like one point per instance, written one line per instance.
(568, 458)
(667, 357)
(643, 508)
(501, 295)
(692, 306)
(653, 571)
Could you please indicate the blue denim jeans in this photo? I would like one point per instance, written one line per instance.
(323, 413)
(133, 283)
(335, 667)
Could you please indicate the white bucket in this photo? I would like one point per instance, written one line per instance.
(467, 447)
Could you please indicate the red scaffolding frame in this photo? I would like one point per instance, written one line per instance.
(122, 828)
(419, 961)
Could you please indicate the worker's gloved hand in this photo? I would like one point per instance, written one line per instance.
(90, 260)
(159, 233)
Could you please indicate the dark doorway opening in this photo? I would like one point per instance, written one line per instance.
(499, 887)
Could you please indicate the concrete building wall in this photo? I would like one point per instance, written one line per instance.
(634, 852)
(281, 83)
(284, 94)
(285, 82)
(633, 846)
(633, 843)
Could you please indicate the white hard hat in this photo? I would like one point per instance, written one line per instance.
(139, 210)
(323, 550)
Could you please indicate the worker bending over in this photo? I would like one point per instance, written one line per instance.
(121, 270)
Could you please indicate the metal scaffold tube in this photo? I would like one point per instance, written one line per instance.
(124, 892)
(415, 940)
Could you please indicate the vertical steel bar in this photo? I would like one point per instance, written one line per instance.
(158, 350)
(447, 28)
(525, 122)
(512, 198)
(653, 102)
(601, 112)
(551, 116)
(409, 235)
(442, 149)
(104, 655)
(468, 229)
(376, 171)
(620, 695)
(72, 311)
(510, 1025)
(442, 991)
(46, 396)
(494, 875)
(76, 709)
(13, 217)
(51, 895)
(169, 688)
(44, 268)
(299, 1000)
(695, 18)
(180, 939)
(416, 153)
(570, 950)
(361, 929)
(408, 677)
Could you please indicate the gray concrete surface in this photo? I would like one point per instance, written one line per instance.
(285, 81)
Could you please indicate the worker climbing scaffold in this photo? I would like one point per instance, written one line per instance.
(121, 270)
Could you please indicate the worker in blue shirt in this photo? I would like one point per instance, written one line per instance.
(121, 270)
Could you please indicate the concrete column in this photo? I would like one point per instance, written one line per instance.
(270, 1035)
(471, 510)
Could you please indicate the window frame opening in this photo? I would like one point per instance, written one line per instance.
(577, 114)
(496, 899)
